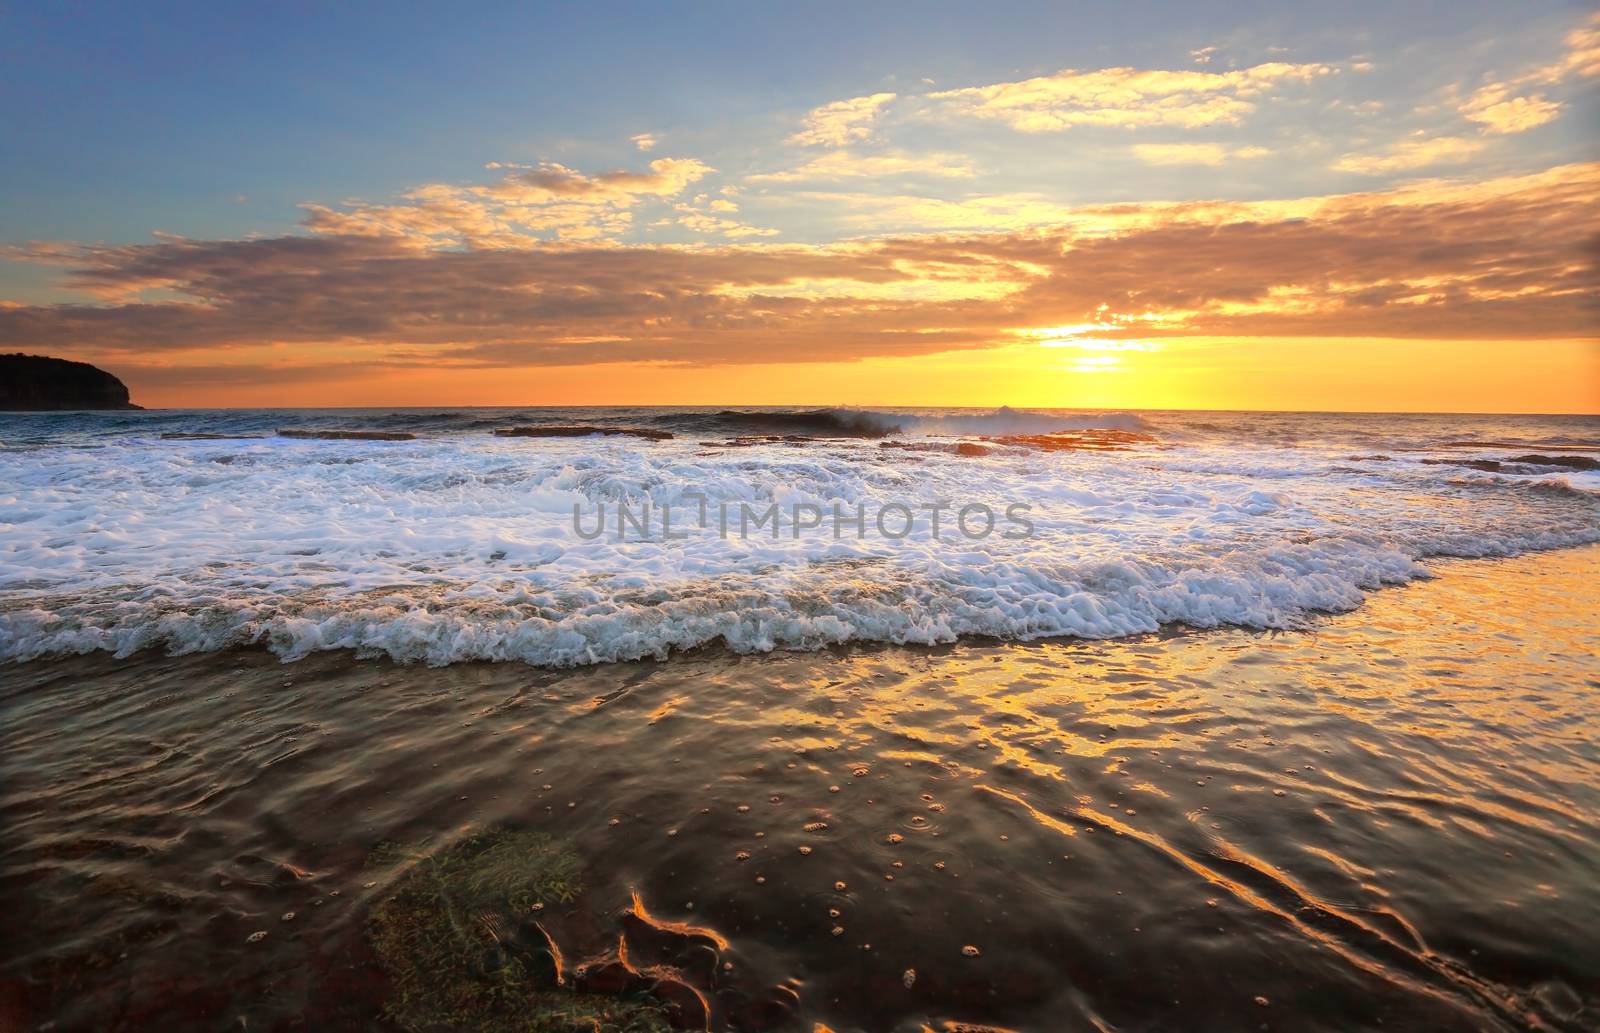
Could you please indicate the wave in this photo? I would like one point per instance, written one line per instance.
(461, 546)
(1285, 586)
(869, 423)
(1008, 422)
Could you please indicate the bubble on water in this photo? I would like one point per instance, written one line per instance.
(839, 885)
(743, 808)
(833, 912)
(894, 837)
(288, 916)
(537, 905)
(970, 951)
(938, 865)
(1130, 811)
(918, 821)
(743, 855)
(760, 879)
(256, 937)
(815, 826)
(935, 806)
(1279, 792)
(672, 832)
(898, 864)
(909, 978)
(925, 797)
(614, 822)
(805, 850)
(547, 787)
(860, 771)
(1262, 1001)
(833, 789)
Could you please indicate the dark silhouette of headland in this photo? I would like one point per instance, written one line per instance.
(38, 383)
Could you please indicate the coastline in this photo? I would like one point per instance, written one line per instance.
(1387, 811)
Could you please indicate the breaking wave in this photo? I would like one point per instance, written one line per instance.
(461, 546)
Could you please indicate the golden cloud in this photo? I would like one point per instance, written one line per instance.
(1505, 259)
(842, 122)
(1194, 153)
(1126, 97)
(1414, 152)
(848, 165)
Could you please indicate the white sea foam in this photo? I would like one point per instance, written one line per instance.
(462, 546)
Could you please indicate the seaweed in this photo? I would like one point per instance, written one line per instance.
(462, 952)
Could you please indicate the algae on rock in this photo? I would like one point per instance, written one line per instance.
(463, 951)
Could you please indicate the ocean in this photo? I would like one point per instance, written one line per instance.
(806, 719)
(460, 544)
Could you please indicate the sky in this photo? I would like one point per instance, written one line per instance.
(1187, 205)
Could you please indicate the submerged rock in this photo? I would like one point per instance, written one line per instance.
(38, 383)
(686, 1007)
(349, 435)
(461, 953)
(582, 432)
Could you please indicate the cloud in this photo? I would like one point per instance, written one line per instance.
(645, 141)
(1495, 108)
(849, 165)
(1582, 57)
(1506, 259)
(1414, 152)
(1518, 104)
(1194, 153)
(549, 181)
(1126, 97)
(842, 122)
(708, 218)
(1202, 55)
(874, 212)
(525, 205)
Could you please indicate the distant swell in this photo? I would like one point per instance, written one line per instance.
(841, 423)
(864, 423)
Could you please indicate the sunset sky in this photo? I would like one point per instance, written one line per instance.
(1196, 205)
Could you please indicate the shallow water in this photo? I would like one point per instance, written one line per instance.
(1388, 819)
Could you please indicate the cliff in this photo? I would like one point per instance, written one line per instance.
(37, 383)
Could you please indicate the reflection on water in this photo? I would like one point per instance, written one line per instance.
(1388, 820)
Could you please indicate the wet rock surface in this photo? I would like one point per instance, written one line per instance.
(583, 432)
(348, 435)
